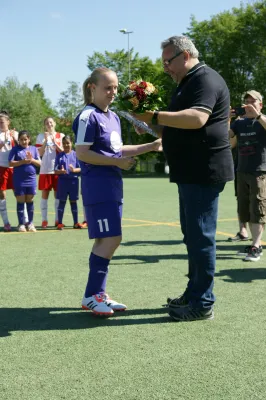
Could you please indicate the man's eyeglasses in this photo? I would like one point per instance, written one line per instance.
(166, 63)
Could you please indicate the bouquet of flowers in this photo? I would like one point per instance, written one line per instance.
(139, 96)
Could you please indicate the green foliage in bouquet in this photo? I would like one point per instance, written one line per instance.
(139, 96)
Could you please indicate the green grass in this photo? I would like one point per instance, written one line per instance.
(50, 349)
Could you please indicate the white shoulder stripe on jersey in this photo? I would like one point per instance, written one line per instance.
(84, 116)
(202, 108)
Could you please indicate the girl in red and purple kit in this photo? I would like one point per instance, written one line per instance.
(24, 158)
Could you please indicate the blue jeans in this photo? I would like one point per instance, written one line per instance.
(198, 219)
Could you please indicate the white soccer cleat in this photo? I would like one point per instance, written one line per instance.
(22, 228)
(97, 304)
(114, 305)
(31, 228)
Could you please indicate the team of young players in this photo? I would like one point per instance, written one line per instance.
(59, 171)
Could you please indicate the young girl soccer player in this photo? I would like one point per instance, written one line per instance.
(49, 144)
(68, 168)
(102, 156)
(8, 140)
(24, 158)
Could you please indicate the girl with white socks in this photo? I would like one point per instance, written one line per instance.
(48, 144)
(8, 139)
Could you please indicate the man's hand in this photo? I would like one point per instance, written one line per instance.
(145, 117)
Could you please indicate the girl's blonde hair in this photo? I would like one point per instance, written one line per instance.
(93, 78)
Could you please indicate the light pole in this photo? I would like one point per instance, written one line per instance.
(126, 32)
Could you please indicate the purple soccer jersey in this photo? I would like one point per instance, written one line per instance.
(64, 160)
(102, 132)
(68, 184)
(24, 175)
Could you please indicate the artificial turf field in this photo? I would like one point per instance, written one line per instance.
(51, 349)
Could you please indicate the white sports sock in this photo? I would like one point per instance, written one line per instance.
(56, 204)
(44, 207)
(3, 211)
(25, 217)
(84, 215)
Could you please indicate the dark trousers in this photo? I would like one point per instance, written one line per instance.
(198, 218)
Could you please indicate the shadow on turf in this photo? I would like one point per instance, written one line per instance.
(46, 319)
(243, 275)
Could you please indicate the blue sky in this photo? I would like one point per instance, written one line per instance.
(48, 42)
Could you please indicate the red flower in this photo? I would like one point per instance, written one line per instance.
(143, 84)
(140, 94)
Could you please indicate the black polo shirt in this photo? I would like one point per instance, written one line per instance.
(201, 156)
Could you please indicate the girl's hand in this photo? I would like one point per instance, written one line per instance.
(125, 163)
(29, 156)
(139, 131)
(11, 133)
(71, 167)
(158, 145)
(63, 171)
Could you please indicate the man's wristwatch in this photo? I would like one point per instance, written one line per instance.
(258, 117)
(154, 119)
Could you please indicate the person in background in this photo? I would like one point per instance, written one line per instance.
(48, 144)
(24, 158)
(67, 168)
(250, 133)
(8, 139)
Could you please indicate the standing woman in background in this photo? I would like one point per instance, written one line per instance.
(8, 140)
(48, 144)
(102, 156)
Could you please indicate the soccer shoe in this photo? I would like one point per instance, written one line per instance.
(77, 226)
(7, 228)
(114, 305)
(22, 228)
(31, 228)
(188, 313)
(97, 305)
(247, 250)
(60, 227)
(180, 301)
(238, 238)
(84, 224)
(57, 223)
(44, 224)
(253, 254)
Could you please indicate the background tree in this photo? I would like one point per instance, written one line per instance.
(27, 108)
(233, 43)
(69, 105)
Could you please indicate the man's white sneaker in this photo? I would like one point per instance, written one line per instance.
(97, 304)
(114, 304)
(22, 228)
